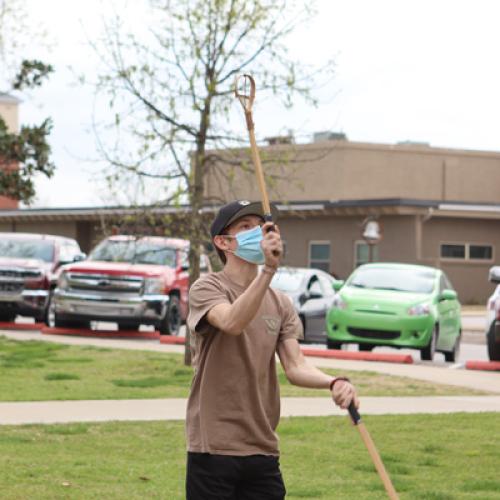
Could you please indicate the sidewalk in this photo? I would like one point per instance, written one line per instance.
(51, 412)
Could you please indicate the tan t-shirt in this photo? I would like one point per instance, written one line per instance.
(234, 404)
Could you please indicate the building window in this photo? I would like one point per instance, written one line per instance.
(482, 252)
(319, 255)
(466, 251)
(362, 253)
(452, 251)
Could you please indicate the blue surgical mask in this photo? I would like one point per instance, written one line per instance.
(249, 248)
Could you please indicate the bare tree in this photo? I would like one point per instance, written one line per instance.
(170, 87)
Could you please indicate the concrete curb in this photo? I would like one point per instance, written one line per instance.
(135, 334)
(7, 325)
(357, 355)
(493, 366)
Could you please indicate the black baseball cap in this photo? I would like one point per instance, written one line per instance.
(236, 209)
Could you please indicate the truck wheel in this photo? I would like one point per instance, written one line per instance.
(66, 323)
(493, 347)
(128, 325)
(7, 317)
(50, 313)
(452, 357)
(170, 324)
(331, 344)
(427, 353)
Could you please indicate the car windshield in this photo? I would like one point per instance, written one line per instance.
(135, 252)
(27, 249)
(401, 280)
(287, 281)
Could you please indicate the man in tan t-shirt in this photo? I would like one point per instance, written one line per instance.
(238, 323)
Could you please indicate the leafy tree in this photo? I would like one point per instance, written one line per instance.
(171, 89)
(25, 154)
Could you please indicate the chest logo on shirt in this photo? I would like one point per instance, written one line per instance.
(272, 324)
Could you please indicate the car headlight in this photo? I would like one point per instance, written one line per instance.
(153, 286)
(62, 281)
(338, 303)
(419, 310)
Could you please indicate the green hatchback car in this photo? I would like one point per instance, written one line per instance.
(397, 305)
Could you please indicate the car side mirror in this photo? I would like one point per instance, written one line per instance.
(185, 267)
(315, 295)
(494, 275)
(79, 257)
(303, 298)
(338, 284)
(448, 295)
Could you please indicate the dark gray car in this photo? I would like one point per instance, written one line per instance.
(312, 294)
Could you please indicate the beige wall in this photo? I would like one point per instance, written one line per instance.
(9, 113)
(470, 278)
(343, 170)
(85, 232)
(397, 245)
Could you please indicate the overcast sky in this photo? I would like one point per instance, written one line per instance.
(424, 71)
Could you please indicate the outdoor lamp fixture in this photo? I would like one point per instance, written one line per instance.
(372, 234)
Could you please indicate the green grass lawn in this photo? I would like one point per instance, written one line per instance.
(431, 457)
(40, 371)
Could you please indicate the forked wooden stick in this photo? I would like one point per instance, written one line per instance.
(246, 99)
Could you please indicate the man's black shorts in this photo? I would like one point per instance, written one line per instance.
(224, 477)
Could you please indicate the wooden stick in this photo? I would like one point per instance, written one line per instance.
(372, 450)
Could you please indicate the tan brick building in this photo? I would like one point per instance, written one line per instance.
(9, 113)
(436, 206)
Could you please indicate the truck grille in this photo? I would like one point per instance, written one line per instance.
(374, 334)
(14, 273)
(7, 287)
(105, 283)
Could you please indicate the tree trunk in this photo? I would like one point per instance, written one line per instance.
(196, 203)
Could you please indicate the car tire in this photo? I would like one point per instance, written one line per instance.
(365, 347)
(427, 353)
(7, 317)
(303, 320)
(66, 323)
(170, 324)
(452, 356)
(50, 312)
(127, 326)
(493, 347)
(331, 344)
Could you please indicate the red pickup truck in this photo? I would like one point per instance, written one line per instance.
(128, 280)
(29, 265)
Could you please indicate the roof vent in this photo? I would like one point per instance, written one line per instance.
(414, 143)
(329, 136)
(280, 139)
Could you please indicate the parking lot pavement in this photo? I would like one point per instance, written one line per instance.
(52, 412)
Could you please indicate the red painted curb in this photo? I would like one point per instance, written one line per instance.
(359, 356)
(168, 339)
(483, 365)
(7, 325)
(111, 334)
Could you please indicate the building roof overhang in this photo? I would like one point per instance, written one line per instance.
(376, 207)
